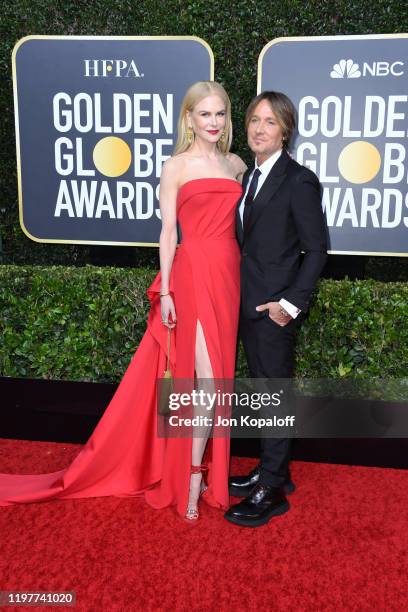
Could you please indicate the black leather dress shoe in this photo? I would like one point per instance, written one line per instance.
(241, 486)
(259, 507)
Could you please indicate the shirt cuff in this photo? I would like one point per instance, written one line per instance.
(290, 308)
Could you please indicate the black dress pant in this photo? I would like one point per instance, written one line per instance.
(269, 350)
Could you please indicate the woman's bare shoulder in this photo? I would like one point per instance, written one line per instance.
(172, 169)
(174, 163)
(238, 165)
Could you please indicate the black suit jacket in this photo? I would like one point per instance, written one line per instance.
(286, 218)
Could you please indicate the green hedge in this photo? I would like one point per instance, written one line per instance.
(85, 323)
(236, 31)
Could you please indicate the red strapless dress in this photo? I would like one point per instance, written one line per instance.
(124, 456)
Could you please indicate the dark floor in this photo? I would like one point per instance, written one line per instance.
(64, 411)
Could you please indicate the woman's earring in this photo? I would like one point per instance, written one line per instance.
(222, 138)
(190, 135)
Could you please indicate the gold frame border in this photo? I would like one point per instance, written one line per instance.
(16, 47)
(276, 41)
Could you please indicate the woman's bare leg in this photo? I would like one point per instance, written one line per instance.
(204, 374)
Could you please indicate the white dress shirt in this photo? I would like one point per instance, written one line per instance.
(264, 169)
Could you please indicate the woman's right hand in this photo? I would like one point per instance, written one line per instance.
(168, 311)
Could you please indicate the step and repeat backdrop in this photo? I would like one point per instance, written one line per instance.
(96, 119)
(351, 93)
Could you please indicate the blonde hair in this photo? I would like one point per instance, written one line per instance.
(193, 96)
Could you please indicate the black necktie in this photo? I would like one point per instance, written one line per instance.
(250, 196)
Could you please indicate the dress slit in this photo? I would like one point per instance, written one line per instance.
(204, 348)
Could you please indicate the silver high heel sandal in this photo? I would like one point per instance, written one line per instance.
(192, 513)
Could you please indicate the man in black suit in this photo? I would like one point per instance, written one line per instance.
(279, 216)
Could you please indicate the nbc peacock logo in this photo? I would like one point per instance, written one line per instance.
(345, 69)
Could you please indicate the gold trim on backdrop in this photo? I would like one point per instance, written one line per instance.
(276, 41)
(16, 47)
(368, 253)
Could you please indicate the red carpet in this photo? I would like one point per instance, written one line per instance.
(343, 545)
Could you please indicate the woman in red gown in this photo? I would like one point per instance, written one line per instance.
(197, 293)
